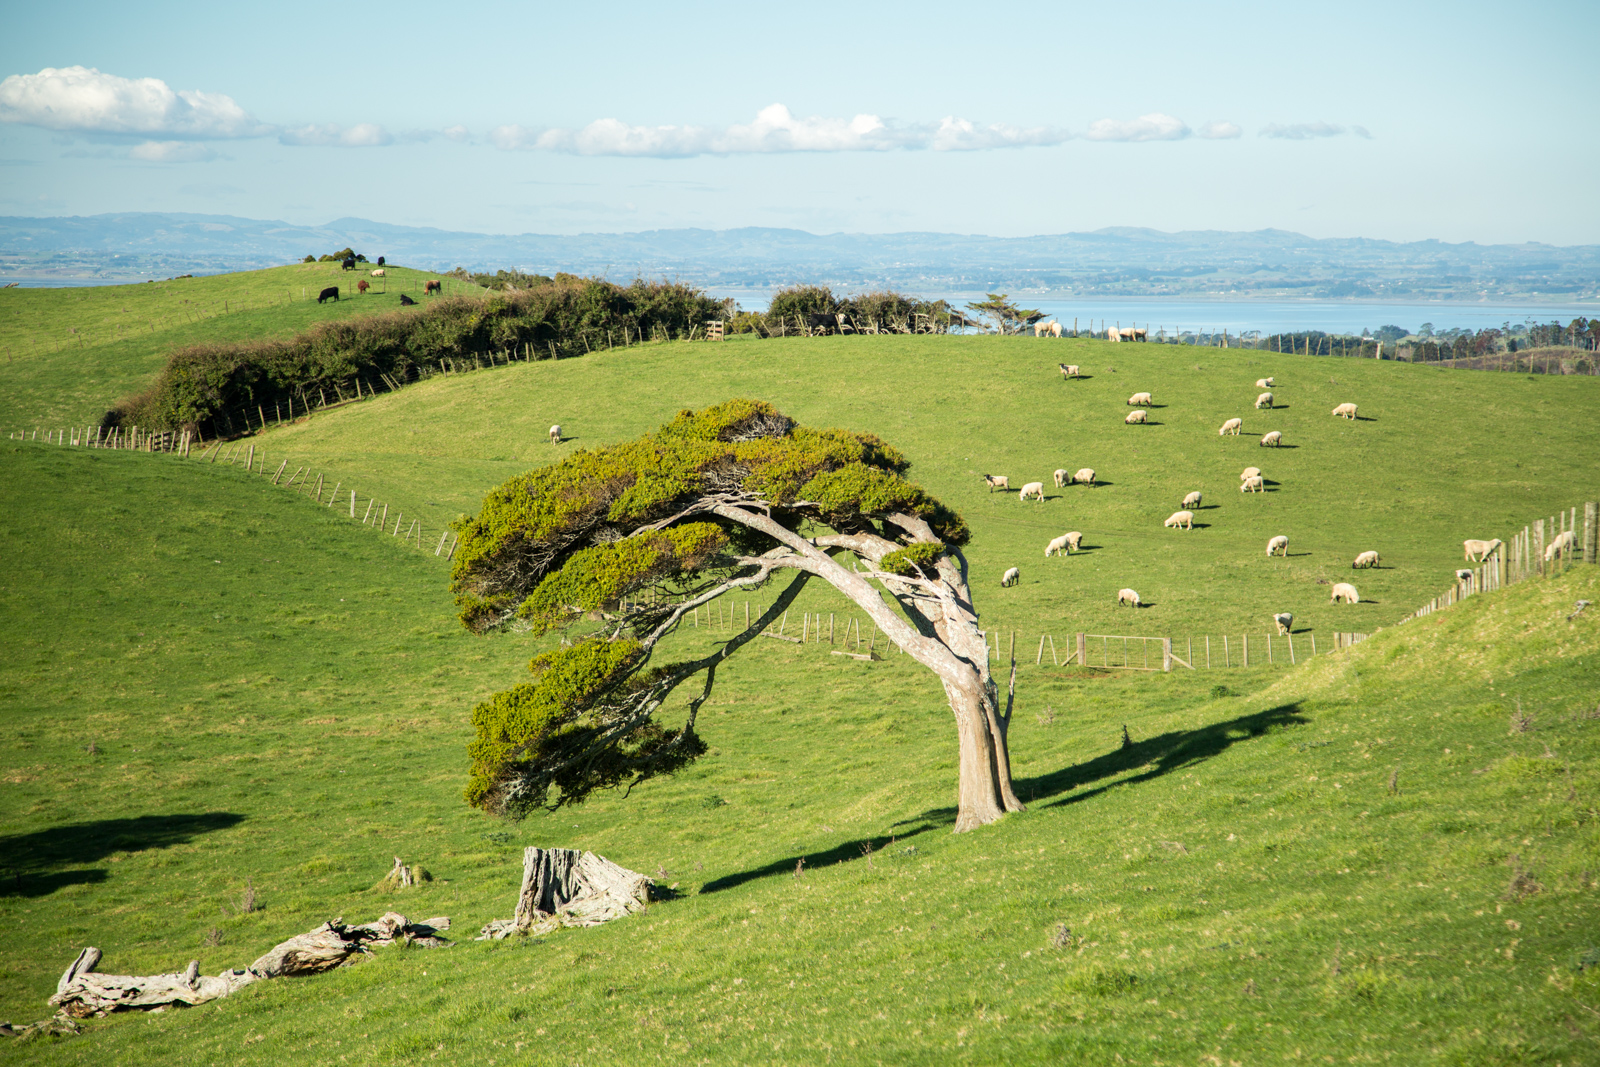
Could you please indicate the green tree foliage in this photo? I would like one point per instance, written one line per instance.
(618, 544)
(1003, 313)
(798, 301)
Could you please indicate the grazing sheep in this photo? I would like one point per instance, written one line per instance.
(1032, 489)
(1011, 577)
(1478, 551)
(1135, 417)
(1263, 401)
(1366, 559)
(1127, 596)
(1047, 329)
(1140, 398)
(555, 434)
(1085, 476)
(1285, 621)
(1057, 547)
(1061, 479)
(377, 273)
(1264, 383)
(1184, 519)
(1346, 411)
(1346, 592)
(997, 481)
(1253, 484)
(1192, 500)
(1463, 576)
(1278, 546)
(1275, 438)
(1074, 540)
(1250, 472)
(1563, 540)
(1068, 370)
(1232, 426)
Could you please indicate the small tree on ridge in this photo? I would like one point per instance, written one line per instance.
(716, 501)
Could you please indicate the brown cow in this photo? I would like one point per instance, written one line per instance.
(362, 287)
(433, 287)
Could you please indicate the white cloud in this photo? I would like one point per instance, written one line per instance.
(171, 152)
(1220, 131)
(84, 99)
(459, 134)
(1305, 131)
(959, 135)
(1152, 127)
(361, 135)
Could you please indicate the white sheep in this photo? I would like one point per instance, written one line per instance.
(1068, 370)
(1278, 545)
(1061, 479)
(1463, 575)
(1478, 551)
(1034, 490)
(1285, 621)
(1084, 476)
(1563, 540)
(377, 273)
(1252, 484)
(1263, 401)
(1275, 438)
(1127, 596)
(1074, 539)
(1185, 519)
(1011, 577)
(1232, 426)
(1264, 383)
(1249, 472)
(1192, 500)
(1057, 547)
(997, 481)
(1346, 411)
(1366, 559)
(555, 434)
(1346, 592)
(1135, 417)
(1140, 398)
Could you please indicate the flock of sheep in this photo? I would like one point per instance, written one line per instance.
(1250, 480)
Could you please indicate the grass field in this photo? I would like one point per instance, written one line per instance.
(66, 355)
(210, 684)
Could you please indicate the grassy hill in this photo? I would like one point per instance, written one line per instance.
(275, 699)
(69, 354)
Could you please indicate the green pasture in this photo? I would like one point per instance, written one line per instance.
(1437, 457)
(275, 698)
(66, 355)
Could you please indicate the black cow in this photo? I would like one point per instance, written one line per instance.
(818, 324)
(380, 261)
(348, 263)
(433, 287)
(330, 293)
(406, 301)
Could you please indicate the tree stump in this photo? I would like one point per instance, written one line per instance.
(565, 887)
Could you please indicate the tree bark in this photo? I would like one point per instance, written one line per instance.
(565, 887)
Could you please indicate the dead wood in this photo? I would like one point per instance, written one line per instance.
(565, 887)
(82, 993)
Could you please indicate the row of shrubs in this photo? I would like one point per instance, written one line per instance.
(884, 310)
(212, 387)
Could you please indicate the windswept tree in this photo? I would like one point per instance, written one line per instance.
(617, 545)
(1007, 317)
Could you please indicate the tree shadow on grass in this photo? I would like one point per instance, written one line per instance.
(32, 865)
(848, 850)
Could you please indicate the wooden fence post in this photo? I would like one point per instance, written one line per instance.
(1591, 527)
(1083, 646)
(1166, 654)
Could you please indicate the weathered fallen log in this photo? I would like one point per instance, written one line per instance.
(565, 887)
(82, 993)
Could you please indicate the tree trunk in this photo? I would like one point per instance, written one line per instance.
(979, 800)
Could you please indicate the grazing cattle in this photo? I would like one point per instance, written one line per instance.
(348, 263)
(1346, 411)
(1011, 577)
(1278, 546)
(1478, 551)
(1263, 401)
(1232, 426)
(555, 434)
(362, 287)
(1135, 416)
(1034, 490)
(1285, 622)
(330, 293)
(1068, 370)
(380, 261)
(406, 301)
(1180, 519)
(997, 481)
(1346, 592)
(1128, 597)
(1085, 476)
(1366, 559)
(379, 273)
(1061, 479)
(1275, 438)
(434, 286)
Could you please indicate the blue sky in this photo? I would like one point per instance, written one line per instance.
(1407, 121)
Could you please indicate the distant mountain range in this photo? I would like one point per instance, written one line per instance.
(1109, 262)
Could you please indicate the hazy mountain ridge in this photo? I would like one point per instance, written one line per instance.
(1111, 261)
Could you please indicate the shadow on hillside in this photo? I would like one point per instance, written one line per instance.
(30, 864)
(841, 853)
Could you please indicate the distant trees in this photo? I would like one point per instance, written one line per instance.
(1005, 315)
